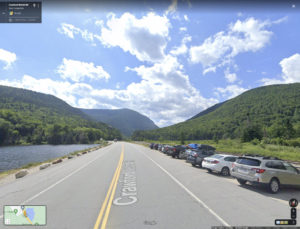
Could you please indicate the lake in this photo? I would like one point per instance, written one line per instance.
(12, 157)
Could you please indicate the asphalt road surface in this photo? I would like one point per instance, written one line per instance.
(128, 186)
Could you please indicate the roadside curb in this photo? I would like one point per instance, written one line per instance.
(46, 164)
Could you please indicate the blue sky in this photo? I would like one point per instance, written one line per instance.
(167, 62)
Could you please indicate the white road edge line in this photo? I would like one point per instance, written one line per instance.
(58, 182)
(189, 192)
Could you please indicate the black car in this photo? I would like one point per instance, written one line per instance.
(155, 146)
(197, 155)
(151, 145)
(177, 151)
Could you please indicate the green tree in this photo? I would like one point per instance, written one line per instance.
(182, 138)
(252, 132)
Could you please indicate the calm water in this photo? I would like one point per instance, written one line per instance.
(12, 157)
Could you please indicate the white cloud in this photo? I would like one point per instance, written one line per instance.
(87, 103)
(63, 90)
(182, 29)
(77, 70)
(218, 50)
(99, 23)
(7, 57)
(291, 68)
(161, 94)
(290, 71)
(185, 17)
(70, 31)
(210, 69)
(146, 38)
(230, 91)
(280, 20)
(267, 81)
(230, 77)
(182, 49)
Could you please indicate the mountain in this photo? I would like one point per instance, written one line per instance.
(208, 110)
(31, 117)
(126, 120)
(274, 110)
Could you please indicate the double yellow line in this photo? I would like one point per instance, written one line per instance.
(109, 196)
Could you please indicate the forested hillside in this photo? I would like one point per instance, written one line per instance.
(270, 112)
(125, 120)
(31, 117)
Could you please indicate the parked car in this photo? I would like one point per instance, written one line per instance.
(267, 171)
(170, 150)
(155, 146)
(219, 163)
(196, 156)
(177, 151)
(159, 147)
(187, 153)
(165, 149)
(151, 145)
(192, 146)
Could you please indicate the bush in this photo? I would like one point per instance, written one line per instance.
(293, 142)
(266, 141)
(255, 141)
(251, 133)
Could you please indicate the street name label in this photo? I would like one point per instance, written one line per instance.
(33, 215)
(128, 193)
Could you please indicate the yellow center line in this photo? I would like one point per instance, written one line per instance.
(109, 195)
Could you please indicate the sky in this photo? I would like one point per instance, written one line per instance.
(167, 61)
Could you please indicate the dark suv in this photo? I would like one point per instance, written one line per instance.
(196, 156)
(177, 151)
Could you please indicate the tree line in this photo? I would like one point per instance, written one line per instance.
(21, 128)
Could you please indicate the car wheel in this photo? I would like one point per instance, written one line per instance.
(209, 170)
(241, 181)
(193, 165)
(225, 171)
(274, 185)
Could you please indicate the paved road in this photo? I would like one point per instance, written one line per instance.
(145, 189)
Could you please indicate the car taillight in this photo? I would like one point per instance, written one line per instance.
(174, 150)
(215, 162)
(258, 170)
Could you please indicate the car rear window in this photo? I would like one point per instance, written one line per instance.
(248, 161)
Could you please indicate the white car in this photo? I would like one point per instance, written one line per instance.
(220, 163)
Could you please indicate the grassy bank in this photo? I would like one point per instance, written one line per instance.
(34, 164)
(238, 148)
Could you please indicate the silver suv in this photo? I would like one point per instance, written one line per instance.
(271, 172)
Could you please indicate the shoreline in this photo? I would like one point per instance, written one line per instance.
(9, 175)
